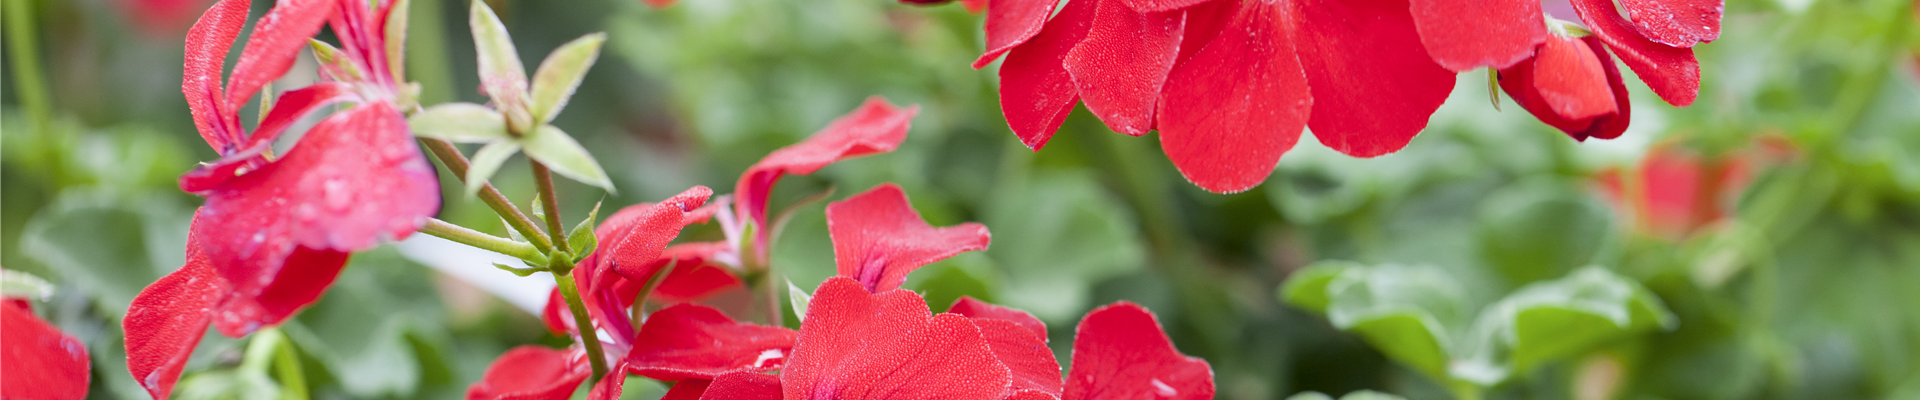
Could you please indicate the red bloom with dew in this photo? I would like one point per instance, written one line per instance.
(1231, 84)
(275, 230)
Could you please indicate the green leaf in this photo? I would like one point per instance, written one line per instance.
(501, 74)
(459, 122)
(519, 271)
(582, 239)
(488, 161)
(557, 77)
(512, 233)
(1307, 287)
(396, 32)
(1055, 236)
(107, 244)
(227, 384)
(566, 157)
(333, 63)
(1405, 311)
(799, 299)
(1568, 317)
(21, 285)
(1540, 230)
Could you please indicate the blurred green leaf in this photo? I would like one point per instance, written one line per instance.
(360, 330)
(1354, 395)
(1554, 320)
(799, 299)
(487, 161)
(1307, 287)
(566, 157)
(557, 77)
(459, 123)
(1405, 311)
(111, 245)
(21, 285)
(1055, 236)
(226, 384)
(1538, 230)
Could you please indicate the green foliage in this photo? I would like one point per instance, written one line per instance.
(1420, 317)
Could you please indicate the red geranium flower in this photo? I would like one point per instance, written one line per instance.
(41, 362)
(1674, 192)
(1230, 84)
(275, 231)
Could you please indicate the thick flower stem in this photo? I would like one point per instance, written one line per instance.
(463, 235)
(551, 202)
(589, 337)
(457, 164)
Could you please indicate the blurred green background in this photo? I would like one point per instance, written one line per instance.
(1457, 267)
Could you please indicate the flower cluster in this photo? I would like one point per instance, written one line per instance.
(1231, 84)
(276, 230)
(857, 326)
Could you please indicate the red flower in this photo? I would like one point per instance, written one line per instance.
(274, 232)
(1674, 192)
(878, 238)
(532, 373)
(876, 127)
(1230, 84)
(860, 345)
(41, 362)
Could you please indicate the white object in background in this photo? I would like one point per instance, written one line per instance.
(475, 266)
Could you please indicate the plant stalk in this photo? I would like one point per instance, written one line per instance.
(589, 336)
(551, 202)
(463, 235)
(457, 163)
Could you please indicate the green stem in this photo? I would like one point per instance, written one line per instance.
(28, 82)
(584, 325)
(550, 201)
(293, 380)
(470, 237)
(457, 164)
(640, 302)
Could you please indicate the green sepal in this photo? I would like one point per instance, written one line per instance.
(582, 239)
(335, 64)
(519, 271)
(460, 123)
(560, 74)
(800, 299)
(559, 152)
(487, 161)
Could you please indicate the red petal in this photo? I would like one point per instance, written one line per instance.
(206, 56)
(976, 309)
(353, 180)
(532, 373)
(1036, 93)
(1147, 6)
(1571, 80)
(277, 37)
(650, 232)
(558, 319)
(742, 386)
(1677, 23)
(858, 345)
(1010, 23)
(42, 362)
(688, 341)
(290, 107)
(1520, 82)
(1671, 72)
(1121, 66)
(1373, 84)
(692, 389)
(694, 276)
(1231, 111)
(876, 127)
(1027, 357)
(305, 276)
(878, 238)
(166, 320)
(1466, 34)
(1032, 395)
(610, 386)
(974, 6)
(1120, 352)
(1204, 22)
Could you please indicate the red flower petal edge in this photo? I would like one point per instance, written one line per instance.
(688, 341)
(610, 386)
(531, 373)
(42, 362)
(878, 238)
(974, 308)
(1124, 61)
(1010, 23)
(1373, 84)
(853, 341)
(741, 386)
(1671, 72)
(1121, 352)
(1036, 92)
(206, 55)
(1677, 23)
(1238, 104)
(277, 37)
(876, 127)
(647, 236)
(1466, 34)
(1029, 361)
(166, 320)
